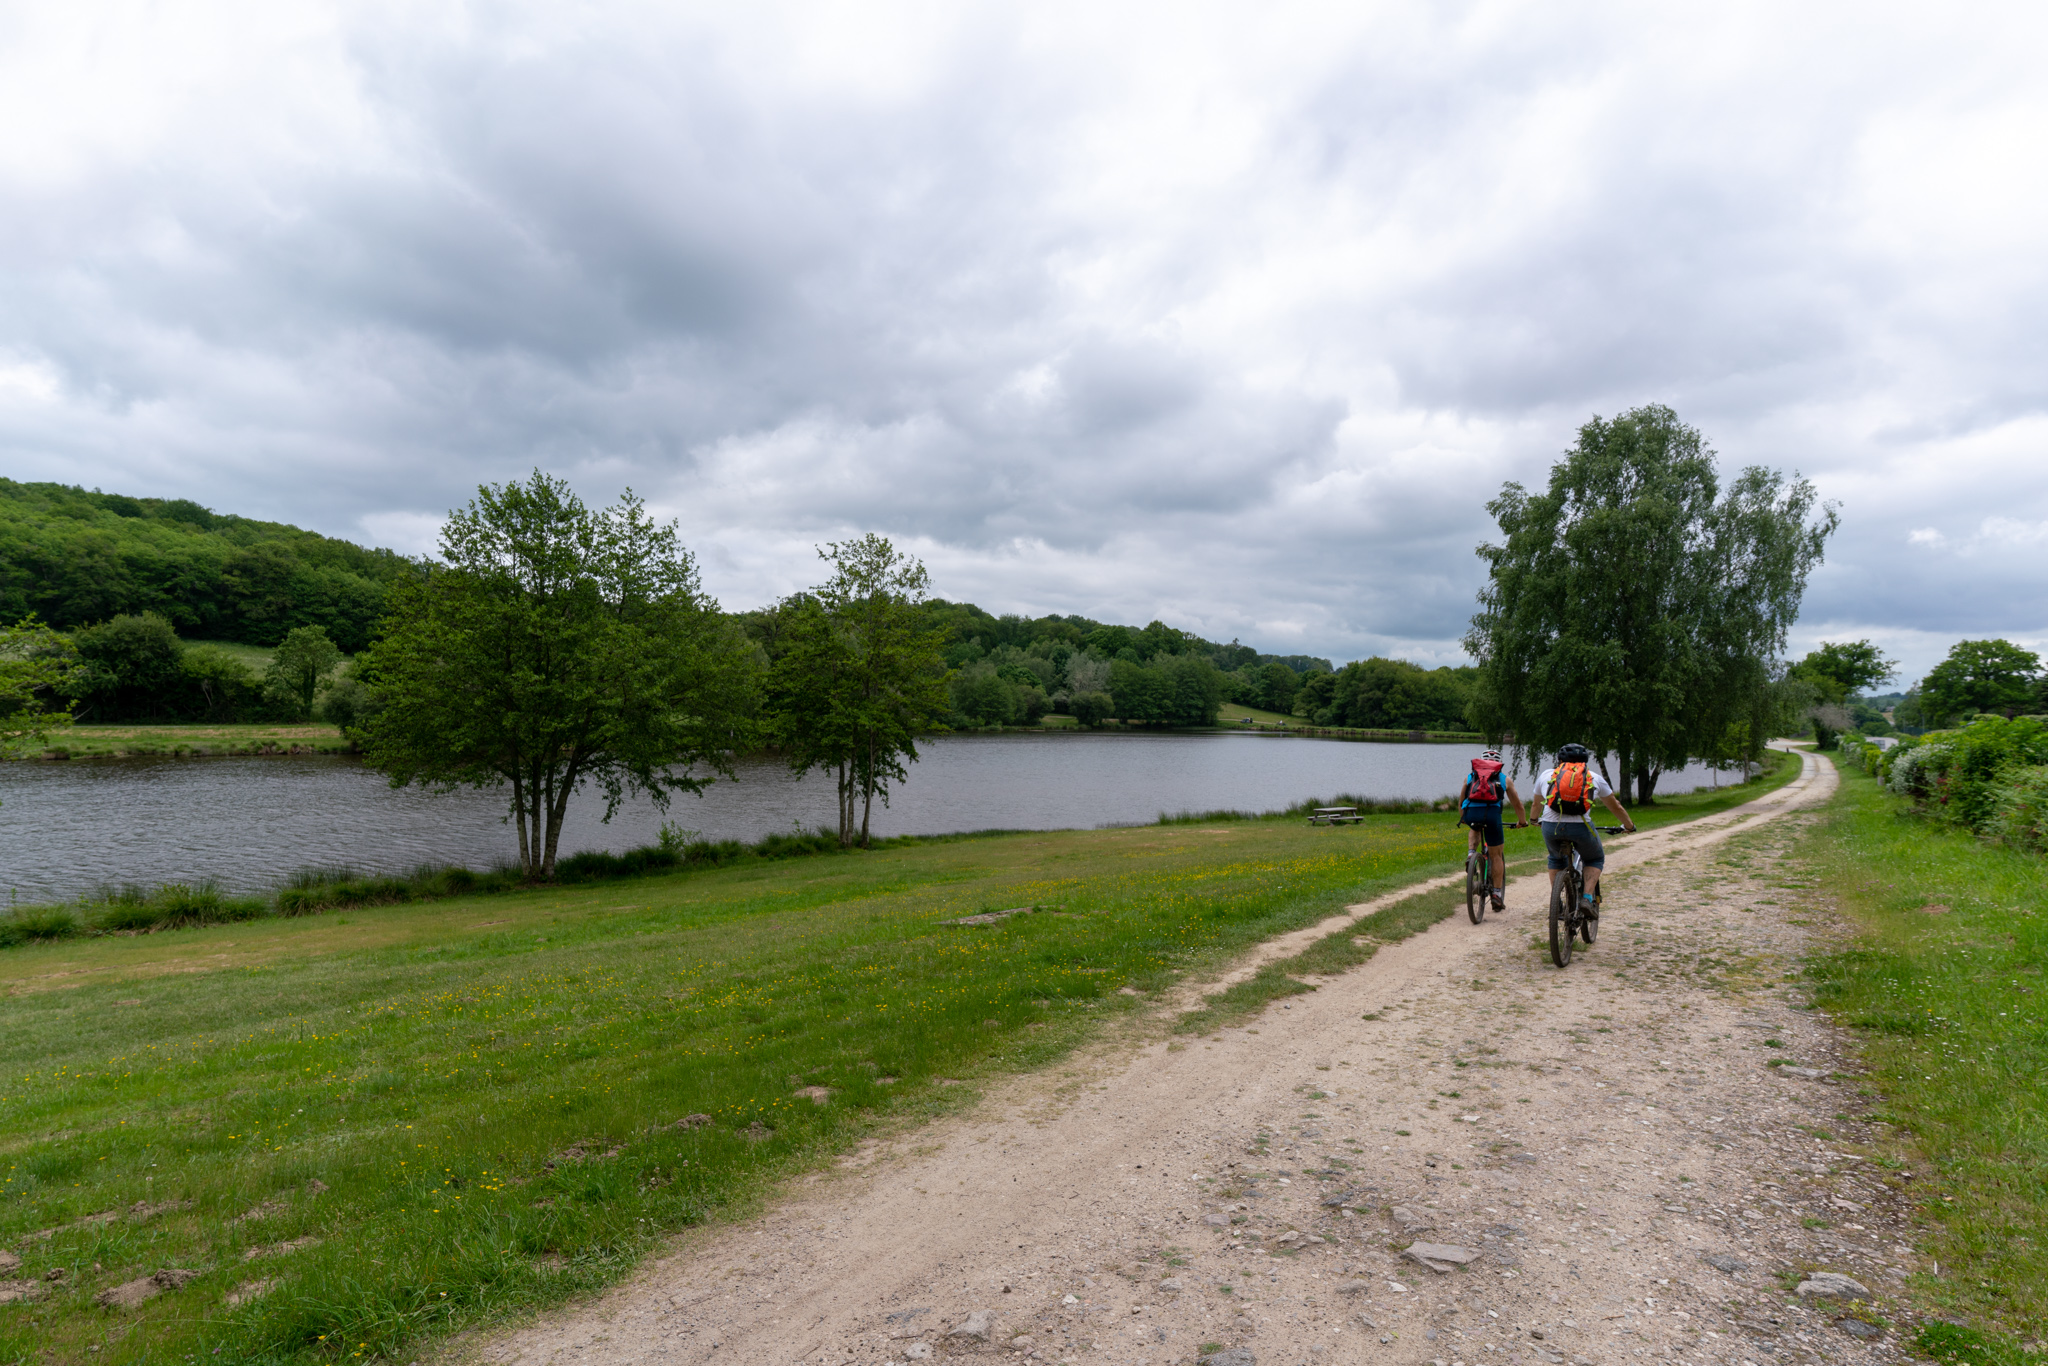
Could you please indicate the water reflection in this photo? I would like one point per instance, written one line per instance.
(65, 827)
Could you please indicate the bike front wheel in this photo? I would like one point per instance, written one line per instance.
(1564, 897)
(1475, 895)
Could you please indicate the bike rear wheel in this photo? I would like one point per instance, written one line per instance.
(1564, 900)
(1475, 893)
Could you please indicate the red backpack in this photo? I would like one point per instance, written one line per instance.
(1485, 783)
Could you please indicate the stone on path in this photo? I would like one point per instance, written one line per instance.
(918, 1351)
(1722, 1261)
(1217, 1220)
(1229, 1356)
(1832, 1285)
(974, 1326)
(1809, 1073)
(1857, 1328)
(1408, 1219)
(1439, 1256)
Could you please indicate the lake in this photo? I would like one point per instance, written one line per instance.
(248, 822)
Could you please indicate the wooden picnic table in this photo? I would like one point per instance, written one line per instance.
(1335, 815)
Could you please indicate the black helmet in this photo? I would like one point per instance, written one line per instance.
(1573, 754)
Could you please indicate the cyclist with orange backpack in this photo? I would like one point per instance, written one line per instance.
(1567, 793)
(1479, 808)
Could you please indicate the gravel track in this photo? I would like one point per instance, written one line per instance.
(1633, 1179)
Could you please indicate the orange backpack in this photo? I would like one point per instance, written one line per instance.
(1571, 791)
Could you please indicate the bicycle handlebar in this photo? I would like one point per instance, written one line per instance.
(1614, 830)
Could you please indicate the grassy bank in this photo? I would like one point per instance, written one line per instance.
(1945, 984)
(88, 742)
(368, 1127)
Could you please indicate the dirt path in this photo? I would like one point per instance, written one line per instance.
(1608, 1140)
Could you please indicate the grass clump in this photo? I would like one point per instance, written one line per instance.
(38, 924)
(1953, 1009)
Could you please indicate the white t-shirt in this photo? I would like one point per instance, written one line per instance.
(1601, 788)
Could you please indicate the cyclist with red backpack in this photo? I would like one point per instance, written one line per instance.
(1567, 793)
(1479, 808)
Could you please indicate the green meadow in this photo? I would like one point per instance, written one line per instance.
(1944, 982)
(364, 1129)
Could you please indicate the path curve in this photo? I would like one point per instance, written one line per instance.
(1584, 1133)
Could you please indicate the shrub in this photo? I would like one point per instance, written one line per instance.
(2020, 817)
(1960, 772)
(36, 924)
(168, 906)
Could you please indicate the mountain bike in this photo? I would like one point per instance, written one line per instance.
(1479, 876)
(1572, 915)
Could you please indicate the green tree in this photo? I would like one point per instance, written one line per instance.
(1277, 686)
(1632, 606)
(1979, 676)
(1840, 669)
(298, 666)
(1091, 709)
(862, 676)
(130, 667)
(982, 697)
(218, 686)
(34, 661)
(556, 647)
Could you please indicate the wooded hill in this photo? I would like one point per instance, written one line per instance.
(75, 556)
(92, 563)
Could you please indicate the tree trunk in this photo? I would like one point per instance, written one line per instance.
(519, 819)
(844, 777)
(867, 794)
(1646, 786)
(1619, 782)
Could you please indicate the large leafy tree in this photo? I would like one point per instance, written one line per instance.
(1979, 676)
(1839, 669)
(1634, 606)
(556, 647)
(861, 675)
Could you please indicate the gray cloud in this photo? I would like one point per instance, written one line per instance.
(1234, 325)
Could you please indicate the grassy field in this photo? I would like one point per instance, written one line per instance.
(82, 742)
(257, 657)
(1235, 714)
(1945, 983)
(362, 1129)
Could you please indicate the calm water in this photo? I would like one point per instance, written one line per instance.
(66, 827)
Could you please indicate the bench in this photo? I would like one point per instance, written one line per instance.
(1335, 815)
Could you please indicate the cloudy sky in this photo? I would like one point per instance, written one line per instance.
(1228, 315)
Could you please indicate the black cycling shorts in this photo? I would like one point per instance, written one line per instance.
(1486, 820)
(1559, 836)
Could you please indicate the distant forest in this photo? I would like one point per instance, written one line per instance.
(95, 565)
(76, 557)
